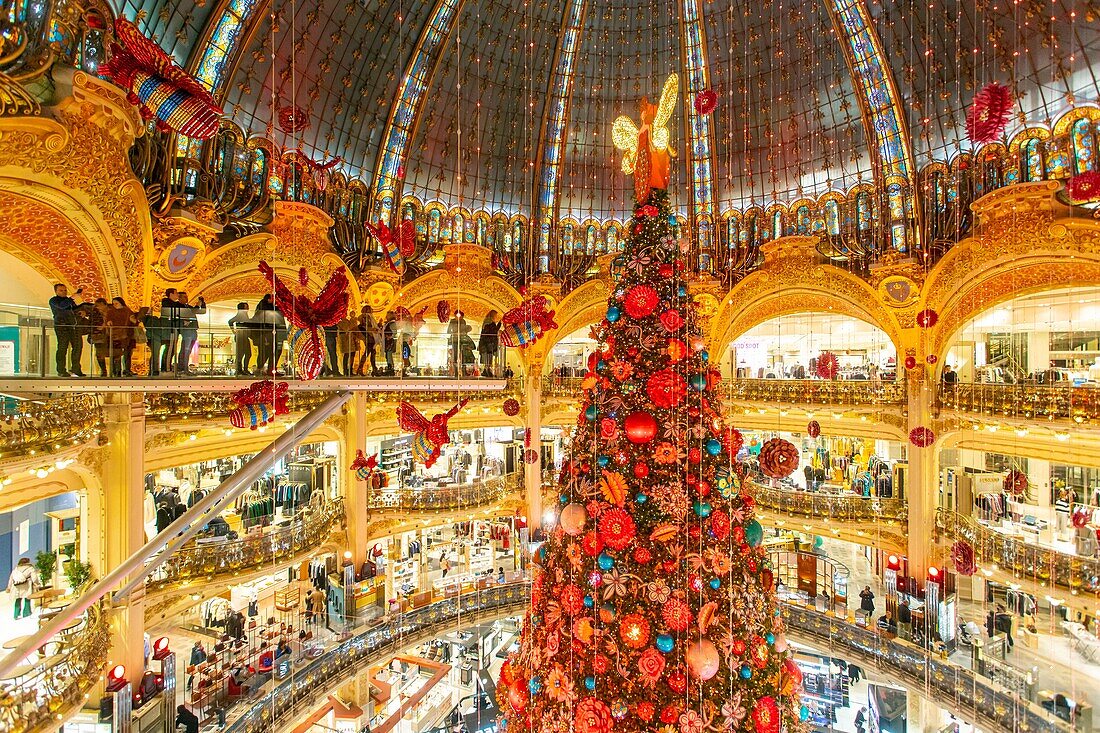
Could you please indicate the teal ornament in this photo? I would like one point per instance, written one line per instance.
(714, 446)
(613, 313)
(818, 541)
(665, 643)
(804, 713)
(588, 602)
(605, 561)
(746, 671)
(672, 219)
(698, 382)
(754, 533)
(590, 683)
(590, 413)
(715, 583)
(534, 685)
(603, 461)
(770, 637)
(641, 498)
(682, 291)
(542, 553)
(704, 355)
(564, 499)
(702, 508)
(601, 366)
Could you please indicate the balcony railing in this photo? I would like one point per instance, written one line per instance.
(1025, 401)
(844, 507)
(555, 386)
(184, 405)
(1021, 559)
(67, 667)
(977, 699)
(814, 392)
(42, 426)
(225, 559)
(480, 493)
(290, 699)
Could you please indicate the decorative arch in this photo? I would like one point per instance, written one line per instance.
(490, 291)
(792, 281)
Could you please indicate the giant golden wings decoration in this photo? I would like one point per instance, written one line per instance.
(625, 135)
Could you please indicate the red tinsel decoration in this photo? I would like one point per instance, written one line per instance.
(989, 114)
(778, 458)
(962, 556)
(706, 101)
(432, 435)
(443, 311)
(1015, 482)
(1084, 188)
(813, 428)
(293, 119)
(310, 315)
(527, 323)
(922, 437)
(511, 407)
(258, 404)
(927, 318)
(828, 366)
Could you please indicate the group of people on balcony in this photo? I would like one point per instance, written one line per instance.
(259, 334)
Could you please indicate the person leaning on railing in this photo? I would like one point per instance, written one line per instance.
(66, 313)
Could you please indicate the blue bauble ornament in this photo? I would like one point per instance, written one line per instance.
(715, 583)
(613, 313)
(672, 219)
(564, 499)
(754, 533)
(590, 683)
(590, 413)
(746, 671)
(534, 685)
(606, 562)
(641, 498)
(682, 291)
(704, 355)
(713, 446)
(702, 508)
(804, 713)
(698, 382)
(603, 461)
(542, 553)
(665, 643)
(588, 602)
(770, 637)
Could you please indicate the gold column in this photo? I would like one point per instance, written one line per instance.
(922, 490)
(532, 473)
(356, 493)
(117, 512)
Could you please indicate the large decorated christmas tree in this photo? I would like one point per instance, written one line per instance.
(652, 603)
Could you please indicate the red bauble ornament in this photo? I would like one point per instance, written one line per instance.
(922, 437)
(665, 270)
(530, 456)
(517, 695)
(645, 711)
(706, 101)
(640, 301)
(828, 366)
(813, 428)
(641, 470)
(511, 407)
(648, 210)
(962, 556)
(1084, 188)
(910, 362)
(641, 427)
(931, 358)
(989, 114)
(677, 680)
(927, 318)
(778, 458)
(666, 388)
(767, 579)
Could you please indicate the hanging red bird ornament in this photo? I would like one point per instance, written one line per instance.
(365, 468)
(158, 86)
(527, 323)
(258, 404)
(398, 244)
(429, 436)
(309, 316)
(989, 114)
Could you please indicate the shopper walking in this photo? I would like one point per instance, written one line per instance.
(66, 312)
(241, 324)
(22, 582)
(867, 601)
(488, 343)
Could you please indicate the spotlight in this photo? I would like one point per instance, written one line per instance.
(116, 678)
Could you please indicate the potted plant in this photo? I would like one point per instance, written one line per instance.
(77, 573)
(46, 564)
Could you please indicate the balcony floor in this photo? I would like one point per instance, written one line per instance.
(58, 385)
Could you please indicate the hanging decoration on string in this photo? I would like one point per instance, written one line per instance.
(706, 102)
(293, 118)
(922, 437)
(443, 311)
(309, 316)
(1084, 188)
(1015, 482)
(813, 428)
(429, 436)
(828, 365)
(258, 404)
(366, 469)
(962, 557)
(511, 407)
(927, 318)
(778, 458)
(527, 323)
(397, 244)
(160, 89)
(989, 114)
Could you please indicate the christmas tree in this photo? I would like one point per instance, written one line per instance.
(652, 603)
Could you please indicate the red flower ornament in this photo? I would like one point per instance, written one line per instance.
(640, 301)
(511, 407)
(666, 388)
(778, 458)
(922, 437)
(989, 114)
(813, 428)
(828, 366)
(765, 715)
(706, 101)
(672, 320)
(962, 556)
(676, 614)
(593, 716)
(1084, 188)
(617, 528)
(927, 318)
